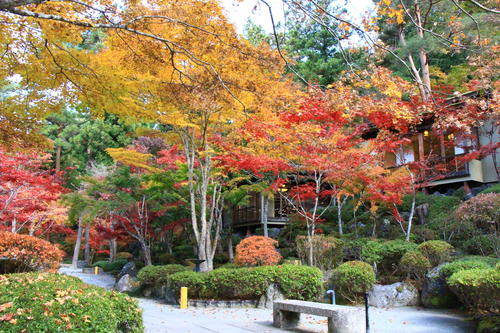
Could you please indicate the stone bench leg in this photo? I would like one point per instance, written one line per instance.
(342, 323)
(285, 319)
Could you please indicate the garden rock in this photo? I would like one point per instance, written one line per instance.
(170, 296)
(273, 293)
(125, 284)
(435, 292)
(393, 295)
(128, 269)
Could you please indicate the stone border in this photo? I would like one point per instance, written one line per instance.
(201, 303)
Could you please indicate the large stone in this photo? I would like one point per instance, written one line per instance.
(128, 269)
(435, 291)
(273, 293)
(171, 297)
(341, 319)
(126, 284)
(393, 295)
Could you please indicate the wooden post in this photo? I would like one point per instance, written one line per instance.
(184, 297)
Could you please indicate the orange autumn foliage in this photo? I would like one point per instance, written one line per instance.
(30, 253)
(257, 251)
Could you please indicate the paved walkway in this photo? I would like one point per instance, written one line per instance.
(162, 318)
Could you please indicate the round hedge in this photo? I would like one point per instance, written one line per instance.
(414, 264)
(26, 253)
(157, 275)
(478, 289)
(46, 302)
(436, 251)
(352, 279)
(462, 265)
(257, 251)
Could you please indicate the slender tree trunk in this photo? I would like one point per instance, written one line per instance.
(14, 225)
(339, 215)
(86, 254)
(230, 250)
(147, 252)
(78, 243)
(412, 211)
(112, 249)
(264, 206)
(422, 55)
(58, 158)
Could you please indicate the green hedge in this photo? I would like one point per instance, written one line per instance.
(462, 265)
(414, 264)
(297, 282)
(157, 275)
(478, 289)
(436, 251)
(44, 302)
(107, 266)
(352, 279)
(491, 189)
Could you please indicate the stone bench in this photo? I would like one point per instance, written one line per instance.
(341, 319)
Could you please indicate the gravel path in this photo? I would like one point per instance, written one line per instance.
(163, 318)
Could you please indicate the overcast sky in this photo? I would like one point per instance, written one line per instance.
(239, 12)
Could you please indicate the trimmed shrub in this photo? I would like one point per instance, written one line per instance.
(257, 251)
(114, 266)
(482, 211)
(414, 264)
(158, 275)
(124, 255)
(462, 265)
(478, 289)
(485, 245)
(352, 279)
(26, 253)
(297, 282)
(386, 254)
(489, 324)
(44, 302)
(327, 251)
(436, 251)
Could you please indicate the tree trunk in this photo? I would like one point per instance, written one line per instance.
(339, 215)
(230, 250)
(147, 253)
(14, 225)
(264, 206)
(87, 244)
(422, 55)
(58, 158)
(112, 250)
(78, 243)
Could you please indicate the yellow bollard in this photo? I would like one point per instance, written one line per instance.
(184, 297)
(96, 270)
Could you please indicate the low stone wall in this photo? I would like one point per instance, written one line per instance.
(200, 303)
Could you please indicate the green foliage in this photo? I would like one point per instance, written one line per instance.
(462, 265)
(296, 282)
(114, 266)
(158, 275)
(485, 245)
(414, 264)
(352, 279)
(436, 251)
(478, 289)
(166, 259)
(489, 324)
(327, 251)
(42, 302)
(386, 254)
(492, 189)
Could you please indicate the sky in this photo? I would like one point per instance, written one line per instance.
(239, 12)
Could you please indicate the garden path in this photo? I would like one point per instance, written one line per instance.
(163, 318)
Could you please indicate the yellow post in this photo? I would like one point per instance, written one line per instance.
(184, 297)
(96, 270)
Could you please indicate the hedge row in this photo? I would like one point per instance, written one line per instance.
(158, 275)
(44, 302)
(296, 282)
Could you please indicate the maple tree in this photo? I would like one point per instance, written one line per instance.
(29, 193)
(257, 251)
